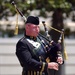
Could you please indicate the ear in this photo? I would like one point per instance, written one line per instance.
(27, 27)
(28, 30)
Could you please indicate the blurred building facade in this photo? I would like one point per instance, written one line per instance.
(9, 64)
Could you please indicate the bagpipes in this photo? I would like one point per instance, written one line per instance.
(53, 48)
(50, 42)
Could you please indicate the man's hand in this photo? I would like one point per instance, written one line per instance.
(60, 60)
(53, 65)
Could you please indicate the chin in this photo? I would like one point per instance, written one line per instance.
(35, 35)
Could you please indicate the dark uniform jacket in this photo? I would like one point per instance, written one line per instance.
(32, 56)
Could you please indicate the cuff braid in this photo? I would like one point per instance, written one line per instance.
(43, 66)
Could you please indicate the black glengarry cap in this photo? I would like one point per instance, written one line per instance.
(33, 20)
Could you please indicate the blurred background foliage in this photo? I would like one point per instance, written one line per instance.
(26, 6)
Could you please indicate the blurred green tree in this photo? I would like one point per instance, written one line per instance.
(26, 6)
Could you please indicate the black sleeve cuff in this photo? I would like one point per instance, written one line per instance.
(45, 67)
